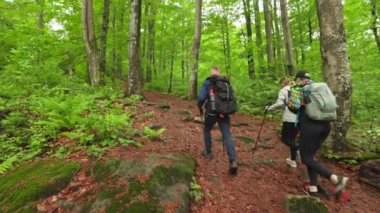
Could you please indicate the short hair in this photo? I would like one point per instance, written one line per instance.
(284, 80)
(215, 67)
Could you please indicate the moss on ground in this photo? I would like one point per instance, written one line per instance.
(173, 171)
(31, 182)
(303, 204)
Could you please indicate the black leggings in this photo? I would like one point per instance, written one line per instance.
(312, 135)
(288, 136)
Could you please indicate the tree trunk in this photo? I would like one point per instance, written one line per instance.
(114, 43)
(279, 42)
(40, 28)
(40, 16)
(226, 39)
(103, 37)
(226, 43)
(151, 37)
(144, 63)
(269, 38)
(183, 55)
(171, 69)
(193, 84)
(90, 42)
(248, 22)
(134, 81)
(300, 34)
(310, 29)
(335, 65)
(119, 53)
(288, 38)
(376, 23)
(259, 39)
(228, 46)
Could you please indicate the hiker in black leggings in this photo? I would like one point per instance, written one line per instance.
(289, 127)
(312, 134)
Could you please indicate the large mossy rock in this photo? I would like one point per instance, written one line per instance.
(303, 204)
(34, 181)
(154, 184)
(370, 173)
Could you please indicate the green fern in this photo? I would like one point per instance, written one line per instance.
(153, 134)
(8, 164)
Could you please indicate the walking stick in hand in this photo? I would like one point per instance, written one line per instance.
(261, 128)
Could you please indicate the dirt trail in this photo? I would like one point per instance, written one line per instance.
(263, 178)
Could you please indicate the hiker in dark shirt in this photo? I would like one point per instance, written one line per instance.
(312, 134)
(210, 118)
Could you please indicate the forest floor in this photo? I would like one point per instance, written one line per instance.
(263, 177)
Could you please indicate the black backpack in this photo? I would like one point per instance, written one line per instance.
(221, 96)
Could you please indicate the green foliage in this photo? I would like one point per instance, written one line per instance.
(153, 134)
(196, 191)
(7, 164)
(38, 112)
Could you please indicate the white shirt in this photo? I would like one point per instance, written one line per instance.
(287, 115)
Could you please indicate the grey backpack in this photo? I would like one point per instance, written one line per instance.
(321, 104)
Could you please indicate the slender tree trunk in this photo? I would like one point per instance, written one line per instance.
(134, 81)
(183, 55)
(171, 69)
(103, 37)
(259, 39)
(310, 29)
(144, 60)
(300, 34)
(193, 84)
(226, 40)
(119, 53)
(224, 44)
(228, 45)
(376, 23)
(114, 42)
(279, 42)
(40, 28)
(90, 42)
(151, 39)
(269, 37)
(40, 16)
(288, 37)
(335, 65)
(248, 22)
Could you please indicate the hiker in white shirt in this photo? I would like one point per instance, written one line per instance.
(289, 127)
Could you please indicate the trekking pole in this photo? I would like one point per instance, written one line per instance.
(259, 134)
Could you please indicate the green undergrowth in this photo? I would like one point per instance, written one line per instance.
(36, 110)
(352, 155)
(34, 181)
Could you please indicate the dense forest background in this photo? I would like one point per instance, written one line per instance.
(45, 85)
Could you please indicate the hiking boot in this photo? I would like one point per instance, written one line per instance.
(340, 186)
(320, 192)
(207, 155)
(306, 189)
(233, 167)
(291, 163)
(323, 192)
